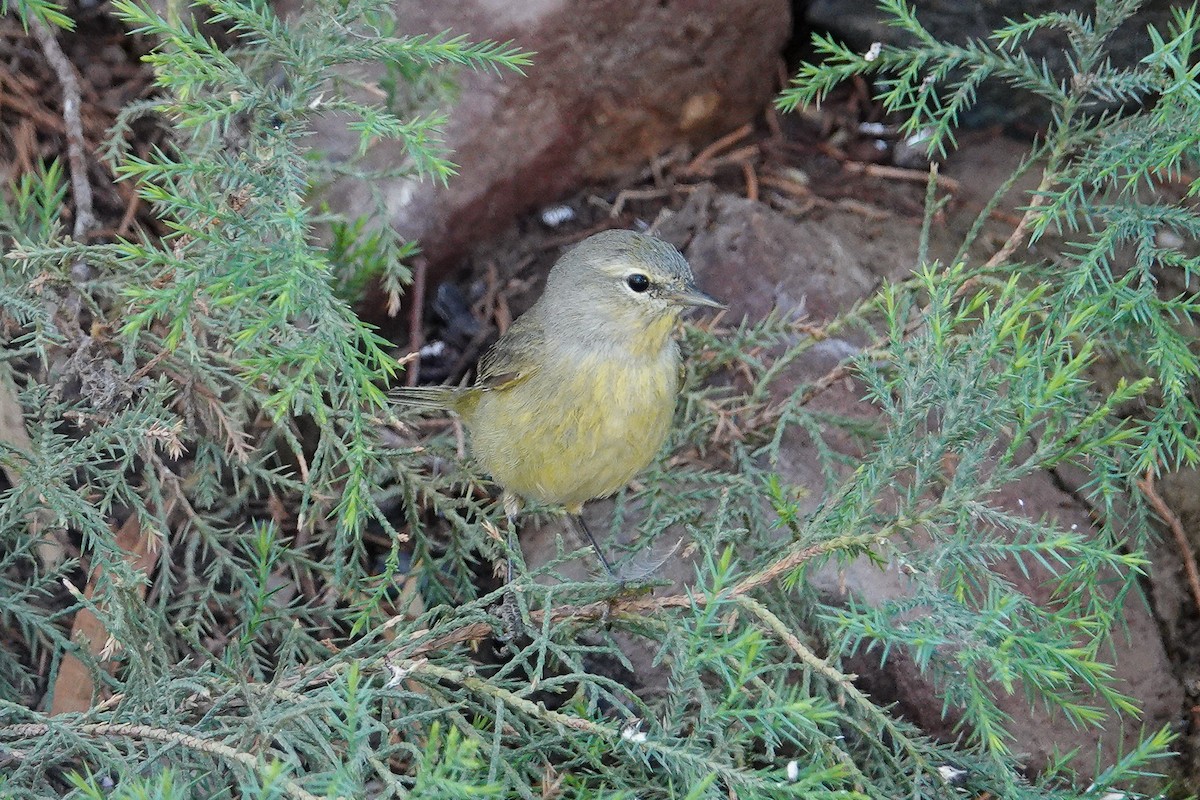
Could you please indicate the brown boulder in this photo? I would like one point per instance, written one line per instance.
(612, 85)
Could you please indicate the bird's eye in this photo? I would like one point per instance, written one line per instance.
(638, 282)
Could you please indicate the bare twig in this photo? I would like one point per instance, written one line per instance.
(131, 210)
(862, 209)
(739, 156)
(18, 101)
(899, 174)
(501, 312)
(1172, 521)
(1015, 238)
(771, 118)
(626, 195)
(751, 180)
(416, 325)
(729, 139)
(81, 188)
(794, 188)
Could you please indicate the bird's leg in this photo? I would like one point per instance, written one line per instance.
(511, 609)
(512, 507)
(581, 527)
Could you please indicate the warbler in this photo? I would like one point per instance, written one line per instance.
(578, 395)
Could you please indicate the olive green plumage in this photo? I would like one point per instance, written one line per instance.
(578, 395)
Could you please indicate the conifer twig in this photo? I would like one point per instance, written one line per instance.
(791, 559)
(525, 706)
(1010, 245)
(34, 730)
(73, 685)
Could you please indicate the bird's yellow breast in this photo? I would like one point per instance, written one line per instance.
(580, 427)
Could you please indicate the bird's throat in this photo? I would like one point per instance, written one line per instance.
(652, 338)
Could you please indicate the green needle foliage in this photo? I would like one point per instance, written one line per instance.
(1118, 135)
(319, 619)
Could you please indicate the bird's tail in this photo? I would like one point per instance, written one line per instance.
(428, 398)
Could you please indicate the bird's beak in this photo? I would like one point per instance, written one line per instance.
(691, 296)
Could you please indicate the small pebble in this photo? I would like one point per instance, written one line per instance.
(554, 216)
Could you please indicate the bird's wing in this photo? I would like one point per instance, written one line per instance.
(513, 358)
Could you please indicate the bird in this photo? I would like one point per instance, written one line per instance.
(578, 395)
